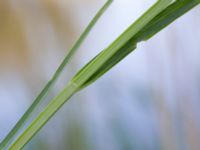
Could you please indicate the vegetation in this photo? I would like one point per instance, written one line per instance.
(161, 14)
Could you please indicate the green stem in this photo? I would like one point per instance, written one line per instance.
(26, 117)
(167, 16)
(81, 78)
(50, 110)
(86, 72)
(156, 18)
(170, 14)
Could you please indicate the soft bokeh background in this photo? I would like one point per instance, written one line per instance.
(150, 101)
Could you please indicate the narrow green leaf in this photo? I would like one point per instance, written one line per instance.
(90, 70)
(26, 117)
(161, 14)
(117, 57)
(39, 122)
(163, 19)
(166, 17)
(93, 66)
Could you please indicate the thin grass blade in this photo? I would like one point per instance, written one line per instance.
(25, 118)
(156, 18)
(170, 14)
(89, 71)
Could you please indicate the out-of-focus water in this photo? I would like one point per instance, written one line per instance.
(148, 101)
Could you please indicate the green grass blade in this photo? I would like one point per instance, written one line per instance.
(163, 19)
(52, 108)
(118, 44)
(166, 17)
(117, 57)
(20, 124)
(93, 66)
(155, 19)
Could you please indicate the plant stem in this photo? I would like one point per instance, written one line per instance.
(50, 110)
(85, 73)
(26, 117)
(161, 14)
(82, 77)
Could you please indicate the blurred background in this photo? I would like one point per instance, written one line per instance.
(150, 101)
